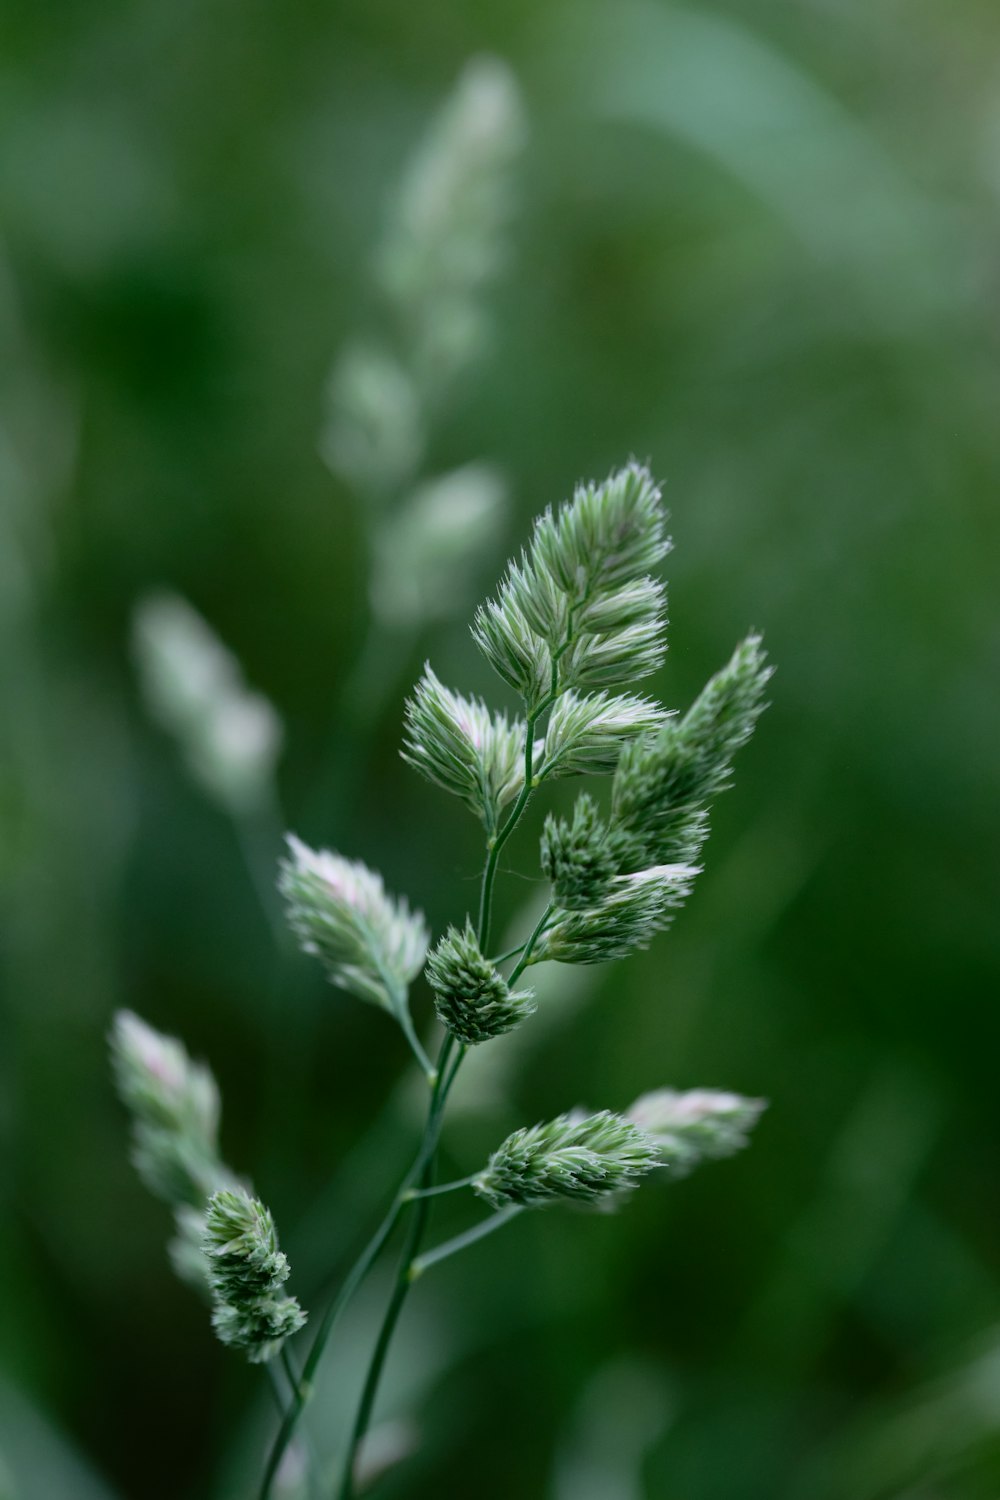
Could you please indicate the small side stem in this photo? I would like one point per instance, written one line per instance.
(503, 957)
(289, 1369)
(276, 1391)
(260, 833)
(402, 1012)
(528, 947)
(443, 1187)
(456, 1064)
(460, 1241)
(303, 1390)
(514, 817)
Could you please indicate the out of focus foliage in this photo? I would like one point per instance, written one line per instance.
(755, 244)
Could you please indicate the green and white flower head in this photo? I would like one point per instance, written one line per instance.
(581, 858)
(186, 1250)
(585, 735)
(444, 241)
(580, 596)
(373, 434)
(459, 744)
(174, 1104)
(446, 238)
(635, 909)
(607, 660)
(247, 1272)
(642, 601)
(665, 782)
(514, 650)
(580, 1157)
(427, 549)
(471, 997)
(194, 687)
(368, 942)
(602, 543)
(175, 1108)
(159, 1081)
(696, 1126)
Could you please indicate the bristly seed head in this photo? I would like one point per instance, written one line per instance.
(626, 919)
(471, 997)
(577, 1156)
(580, 600)
(586, 734)
(580, 858)
(665, 782)
(697, 1126)
(369, 942)
(174, 1104)
(247, 1272)
(459, 744)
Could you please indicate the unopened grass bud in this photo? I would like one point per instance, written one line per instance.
(696, 1126)
(584, 1158)
(369, 942)
(247, 1272)
(471, 997)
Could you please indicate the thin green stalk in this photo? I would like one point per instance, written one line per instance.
(260, 833)
(402, 1012)
(460, 1241)
(402, 1286)
(524, 796)
(442, 1187)
(422, 1211)
(303, 1391)
(414, 1235)
(456, 1064)
(503, 957)
(423, 1208)
(309, 1453)
(276, 1391)
(289, 1368)
(528, 947)
(514, 817)
(355, 1276)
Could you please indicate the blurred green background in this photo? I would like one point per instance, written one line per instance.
(755, 244)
